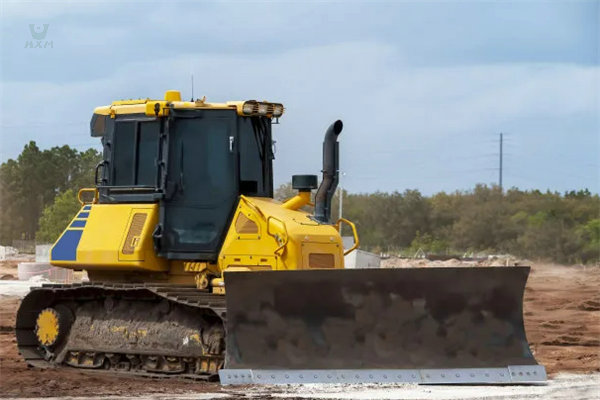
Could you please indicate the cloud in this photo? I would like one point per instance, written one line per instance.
(92, 37)
(404, 126)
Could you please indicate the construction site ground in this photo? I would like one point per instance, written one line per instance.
(562, 319)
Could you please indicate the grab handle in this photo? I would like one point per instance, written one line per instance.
(354, 233)
(88, 190)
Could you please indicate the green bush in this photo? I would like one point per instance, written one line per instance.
(531, 224)
(30, 184)
(57, 216)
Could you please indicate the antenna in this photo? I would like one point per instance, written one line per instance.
(192, 87)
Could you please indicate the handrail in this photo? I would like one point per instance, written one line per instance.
(287, 237)
(354, 233)
(253, 207)
(100, 164)
(85, 190)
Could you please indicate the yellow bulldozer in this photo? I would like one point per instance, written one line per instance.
(196, 271)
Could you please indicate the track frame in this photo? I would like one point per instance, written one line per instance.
(162, 365)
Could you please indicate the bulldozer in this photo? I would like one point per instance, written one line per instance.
(196, 271)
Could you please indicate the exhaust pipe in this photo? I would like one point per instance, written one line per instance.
(331, 173)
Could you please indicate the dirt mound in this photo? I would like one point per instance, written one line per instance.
(562, 320)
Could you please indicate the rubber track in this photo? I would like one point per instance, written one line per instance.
(182, 294)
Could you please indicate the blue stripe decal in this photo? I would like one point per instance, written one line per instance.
(87, 208)
(83, 215)
(66, 247)
(78, 224)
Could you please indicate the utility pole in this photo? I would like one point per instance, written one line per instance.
(500, 170)
(341, 201)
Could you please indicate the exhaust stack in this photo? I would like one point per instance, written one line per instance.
(331, 173)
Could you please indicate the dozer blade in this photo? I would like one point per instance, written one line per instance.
(423, 325)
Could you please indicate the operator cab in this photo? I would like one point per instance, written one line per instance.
(193, 158)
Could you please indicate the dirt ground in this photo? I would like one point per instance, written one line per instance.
(8, 269)
(562, 318)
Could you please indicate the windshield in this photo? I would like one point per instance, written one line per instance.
(256, 157)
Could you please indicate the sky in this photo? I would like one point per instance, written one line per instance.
(424, 88)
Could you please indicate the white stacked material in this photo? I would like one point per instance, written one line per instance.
(362, 259)
(348, 241)
(359, 258)
(42, 252)
(20, 288)
(28, 270)
(7, 252)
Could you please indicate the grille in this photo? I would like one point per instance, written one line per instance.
(321, 260)
(135, 230)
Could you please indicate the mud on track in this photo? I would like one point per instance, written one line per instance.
(562, 318)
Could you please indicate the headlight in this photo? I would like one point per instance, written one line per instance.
(263, 108)
(250, 107)
(277, 110)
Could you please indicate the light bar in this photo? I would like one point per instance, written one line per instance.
(253, 108)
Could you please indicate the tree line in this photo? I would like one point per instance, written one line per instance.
(31, 184)
(38, 198)
(538, 225)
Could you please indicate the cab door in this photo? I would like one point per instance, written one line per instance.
(201, 189)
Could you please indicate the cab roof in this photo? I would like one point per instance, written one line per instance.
(172, 99)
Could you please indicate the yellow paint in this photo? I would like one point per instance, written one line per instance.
(218, 285)
(201, 280)
(269, 235)
(94, 192)
(285, 238)
(298, 201)
(218, 290)
(140, 332)
(190, 266)
(119, 329)
(196, 338)
(47, 327)
(104, 236)
(129, 102)
(354, 233)
(172, 95)
(172, 99)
